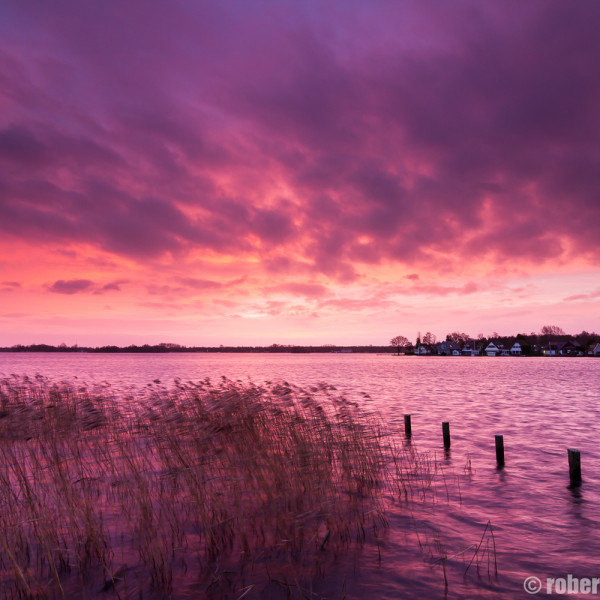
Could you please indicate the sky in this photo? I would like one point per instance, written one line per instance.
(312, 172)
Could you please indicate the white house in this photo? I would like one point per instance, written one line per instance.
(516, 349)
(492, 350)
(448, 348)
(467, 350)
(423, 350)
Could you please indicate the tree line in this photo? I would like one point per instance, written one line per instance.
(528, 341)
(177, 348)
(400, 344)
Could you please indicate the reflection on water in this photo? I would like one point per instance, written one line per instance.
(541, 525)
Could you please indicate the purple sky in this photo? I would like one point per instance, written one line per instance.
(258, 172)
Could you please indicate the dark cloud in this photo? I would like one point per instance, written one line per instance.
(428, 133)
(200, 284)
(113, 286)
(71, 286)
(20, 146)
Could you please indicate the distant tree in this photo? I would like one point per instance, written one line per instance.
(585, 338)
(429, 338)
(400, 342)
(552, 330)
(457, 337)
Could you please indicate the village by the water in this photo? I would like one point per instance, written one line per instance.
(515, 347)
(550, 341)
(512, 348)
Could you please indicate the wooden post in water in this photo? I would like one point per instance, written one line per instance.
(446, 432)
(407, 426)
(574, 465)
(499, 451)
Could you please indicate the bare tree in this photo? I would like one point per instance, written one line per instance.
(552, 330)
(400, 342)
(459, 338)
(429, 338)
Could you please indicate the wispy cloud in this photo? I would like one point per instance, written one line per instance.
(593, 295)
(309, 290)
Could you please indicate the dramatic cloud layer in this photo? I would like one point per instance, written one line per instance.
(245, 160)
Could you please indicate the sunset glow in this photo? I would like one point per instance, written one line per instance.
(256, 173)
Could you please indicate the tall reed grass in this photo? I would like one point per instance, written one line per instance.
(199, 490)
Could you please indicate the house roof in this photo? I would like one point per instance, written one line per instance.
(561, 345)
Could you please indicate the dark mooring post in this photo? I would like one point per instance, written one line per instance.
(574, 465)
(407, 426)
(499, 451)
(446, 432)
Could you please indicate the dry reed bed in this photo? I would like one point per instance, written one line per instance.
(218, 491)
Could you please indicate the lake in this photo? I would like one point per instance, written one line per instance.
(542, 527)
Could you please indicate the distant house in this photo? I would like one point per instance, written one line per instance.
(594, 349)
(569, 348)
(467, 350)
(492, 350)
(551, 349)
(423, 350)
(516, 349)
(448, 349)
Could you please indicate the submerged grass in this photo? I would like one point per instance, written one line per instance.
(200, 490)
(219, 491)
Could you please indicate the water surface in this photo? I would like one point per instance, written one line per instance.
(542, 527)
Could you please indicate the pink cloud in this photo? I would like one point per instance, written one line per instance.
(442, 290)
(200, 284)
(310, 290)
(371, 303)
(588, 296)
